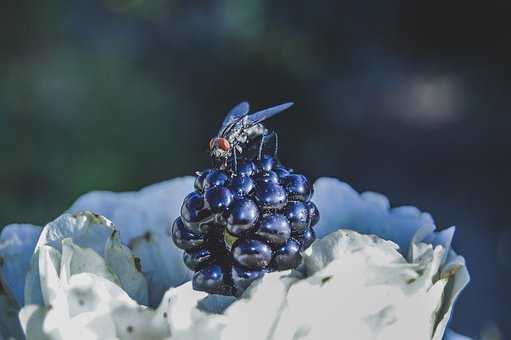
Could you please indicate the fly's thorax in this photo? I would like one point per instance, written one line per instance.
(255, 131)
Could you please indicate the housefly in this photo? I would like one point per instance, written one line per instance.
(241, 132)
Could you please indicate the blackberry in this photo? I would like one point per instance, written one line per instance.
(242, 223)
(249, 214)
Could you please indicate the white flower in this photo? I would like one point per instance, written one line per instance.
(386, 275)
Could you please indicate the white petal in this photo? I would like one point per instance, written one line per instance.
(255, 316)
(144, 218)
(51, 287)
(32, 292)
(32, 319)
(162, 264)
(361, 287)
(86, 229)
(138, 323)
(343, 243)
(181, 306)
(17, 243)
(100, 293)
(457, 273)
(76, 260)
(35, 320)
(120, 260)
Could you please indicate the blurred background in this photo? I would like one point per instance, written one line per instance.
(407, 98)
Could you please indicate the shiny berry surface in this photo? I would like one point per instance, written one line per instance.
(199, 180)
(252, 254)
(241, 186)
(274, 229)
(218, 199)
(242, 217)
(287, 256)
(297, 187)
(215, 178)
(306, 238)
(183, 237)
(297, 214)
(281, 171)
(267, 176)
(196, 259)
(266, 163)
(313, 213)
(194, 212)
(211, 279)
(270, 195)
(246, 169)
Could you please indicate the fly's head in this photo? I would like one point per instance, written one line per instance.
(220, 149)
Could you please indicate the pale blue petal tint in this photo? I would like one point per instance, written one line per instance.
(144, 219)
(369, 213)
(17, 243)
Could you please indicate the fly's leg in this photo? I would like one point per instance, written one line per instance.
(259, 153)
(276, 147)
(235, 161)
(264, 139)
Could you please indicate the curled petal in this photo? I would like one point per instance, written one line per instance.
(144, 219)
(119, 259)
(86, 229)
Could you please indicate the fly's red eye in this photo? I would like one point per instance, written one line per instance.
(223, 144)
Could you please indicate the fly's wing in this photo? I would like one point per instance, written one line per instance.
(236, 113)
(259, 116)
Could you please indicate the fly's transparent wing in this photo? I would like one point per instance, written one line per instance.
(259, 116)
(236, 113)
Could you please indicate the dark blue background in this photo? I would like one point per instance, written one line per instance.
(408, 98)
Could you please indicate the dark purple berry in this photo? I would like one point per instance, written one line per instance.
(183, 238)
(242, 216)
(281, 171)
(307, 238)
(244, 220)
(313, 213)
(266, 163)
(197, 259)
(211, 280)
(241, 186)
(274, 228)
(270, 195)
(298, 216)
(252, 254)
(242, 278)
(297, 188)
(267, 176)
(199, 181)
(194, 212)
(246, 169)
(216, 178)
(287, 256)
(218, 199)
